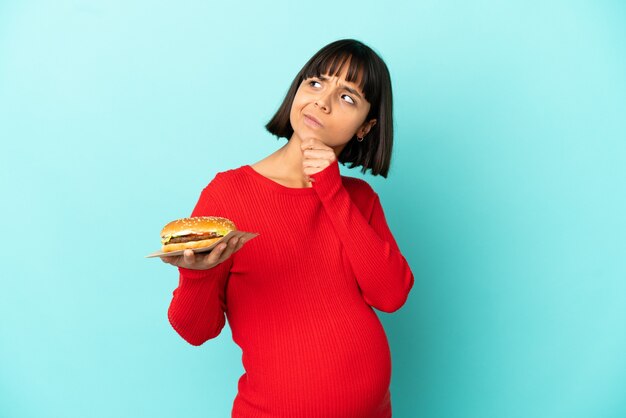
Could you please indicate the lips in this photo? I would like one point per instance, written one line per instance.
(310, 120)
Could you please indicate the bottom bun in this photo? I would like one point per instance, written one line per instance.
(191, 244)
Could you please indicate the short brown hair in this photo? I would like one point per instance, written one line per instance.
(374, 152)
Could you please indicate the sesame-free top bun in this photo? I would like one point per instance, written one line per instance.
(196, 232)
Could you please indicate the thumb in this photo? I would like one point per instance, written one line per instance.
(188, 255)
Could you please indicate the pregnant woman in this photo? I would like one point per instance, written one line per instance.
(299, 298)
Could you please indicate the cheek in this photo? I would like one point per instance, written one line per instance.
(350, 123)
(295, 107)
(298, 101)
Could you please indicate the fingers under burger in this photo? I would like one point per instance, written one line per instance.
(197, 232)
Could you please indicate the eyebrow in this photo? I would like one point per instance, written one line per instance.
(350, 90)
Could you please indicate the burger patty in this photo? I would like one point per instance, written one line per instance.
(188, 238)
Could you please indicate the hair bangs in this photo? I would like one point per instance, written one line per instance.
(333, 62)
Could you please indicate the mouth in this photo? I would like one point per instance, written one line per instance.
(311, 121)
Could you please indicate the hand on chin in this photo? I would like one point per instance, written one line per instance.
(316, 156)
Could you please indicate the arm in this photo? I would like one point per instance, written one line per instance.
(198, 304)
(382, 272)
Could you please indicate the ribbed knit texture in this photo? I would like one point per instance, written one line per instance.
(299, 297)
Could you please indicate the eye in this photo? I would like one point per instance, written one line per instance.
(348, 99)
(312, 82)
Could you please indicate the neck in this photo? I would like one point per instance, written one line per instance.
(289, 160)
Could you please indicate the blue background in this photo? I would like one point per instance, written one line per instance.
(506, 195)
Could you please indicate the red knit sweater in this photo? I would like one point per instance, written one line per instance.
(299, 296)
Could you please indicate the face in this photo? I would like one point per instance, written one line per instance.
(330, 109)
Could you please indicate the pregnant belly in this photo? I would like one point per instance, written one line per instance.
(340, 362)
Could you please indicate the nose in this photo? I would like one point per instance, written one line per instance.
(322, 101)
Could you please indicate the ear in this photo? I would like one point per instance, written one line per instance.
(365, 128)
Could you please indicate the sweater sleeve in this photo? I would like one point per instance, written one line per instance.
(198, 304)
(382, 272)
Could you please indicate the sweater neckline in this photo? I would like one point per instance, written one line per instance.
(260, 178)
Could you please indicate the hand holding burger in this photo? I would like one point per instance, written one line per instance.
(198, 232)
(204, 261)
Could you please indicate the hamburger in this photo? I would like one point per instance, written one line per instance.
(196, 232)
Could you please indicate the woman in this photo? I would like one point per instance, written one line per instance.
(299, 297)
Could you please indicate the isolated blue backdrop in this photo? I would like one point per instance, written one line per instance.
(506, 195)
